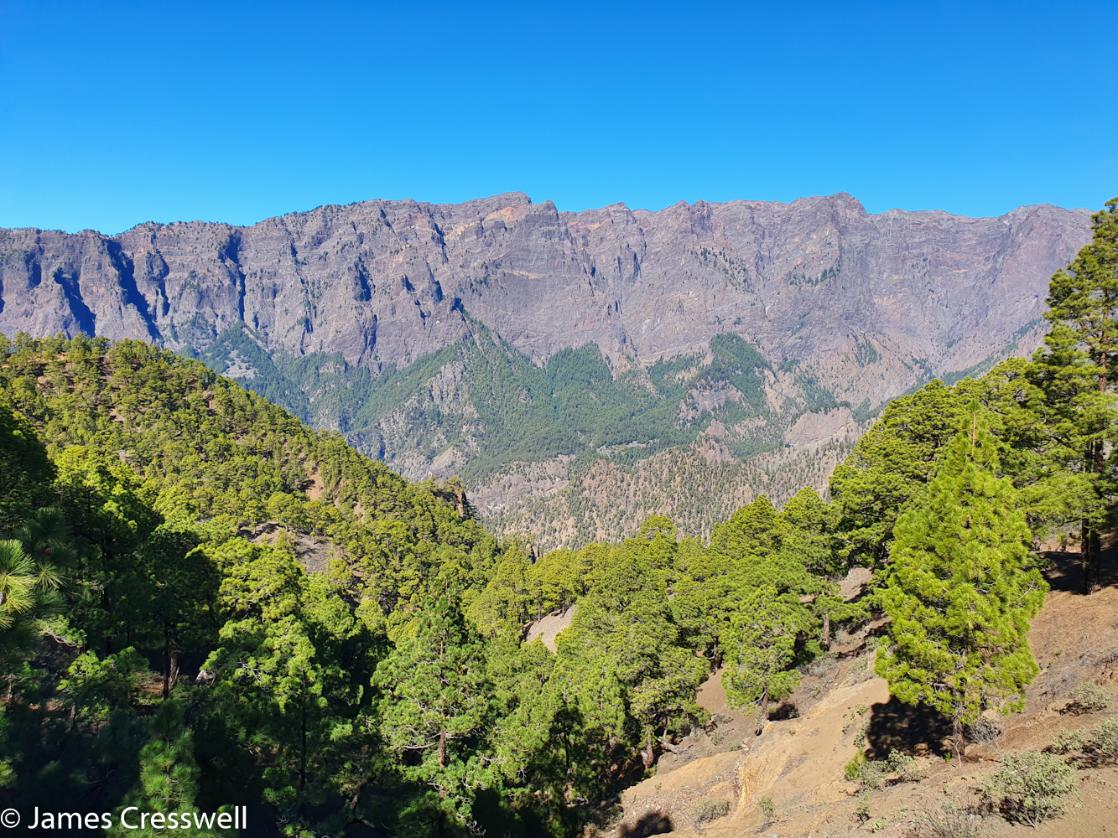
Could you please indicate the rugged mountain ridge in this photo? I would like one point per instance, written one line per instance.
(463, 338)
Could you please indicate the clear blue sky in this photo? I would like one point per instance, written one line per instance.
(116, 113)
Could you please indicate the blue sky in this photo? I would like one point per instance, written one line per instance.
(116, 113)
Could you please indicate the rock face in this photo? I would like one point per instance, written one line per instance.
(840, 305)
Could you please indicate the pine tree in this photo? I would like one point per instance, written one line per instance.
(808, 524)
(891, 465)
(169, 775)
(961, 589)
(1077, 368)
(754, 529)
(761, 649)
(436, 702)
(624, 654)
(503, 606)
(28, 593)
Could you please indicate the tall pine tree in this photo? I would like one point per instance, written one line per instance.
(1077, 368)
(961, 589)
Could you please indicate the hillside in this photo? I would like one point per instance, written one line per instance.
(562, 362)
(195, 581)
(792, 781)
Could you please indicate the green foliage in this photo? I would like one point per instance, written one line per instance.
(182, 507)
(870, 774)
(961, 590)
(1088, 697)
(809, 524)
(436, 702)
(168, 773)
(1098, 746)
(560, 577)
(625, 655)
(767, 809)
(94, 686)
(1103, 742)
(889, 467)
(25, 470)
(1076, 371)
(507, 599)
(1066, 742)
(761, 649)
(520, 412)
(1031, 787)
(28, 595)
(862, 811)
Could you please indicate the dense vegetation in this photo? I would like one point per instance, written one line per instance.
(572, 405)
(497, 408)
(203, 603)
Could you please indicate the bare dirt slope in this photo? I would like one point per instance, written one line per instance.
(790, 781)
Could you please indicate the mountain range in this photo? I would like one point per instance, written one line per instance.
(576, 370)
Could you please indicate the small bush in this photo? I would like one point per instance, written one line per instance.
(710, 810)
(868, 774)
(904, 768)
(1103, 742)
(947, 822)
(1031, 787)
(1088, 697)
(768, 808)
(862, 810)
(1066, 742)
(853, 769)
(896, 768)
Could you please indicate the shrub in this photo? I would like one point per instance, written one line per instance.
(768, 808)
(872, 774)
(947, 822)
(869, 774)
(710, 810)
(1031, 787)
(1066, 742)
(1103, 741)
(852, 770)
(862, 810)
(1088, 697)
(904, 768)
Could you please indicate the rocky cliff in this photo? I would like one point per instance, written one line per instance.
(559, 361)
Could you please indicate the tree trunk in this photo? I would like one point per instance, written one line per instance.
(764, 712)
(1092, 540)
(1090, 549)
(442, 748)
(648, 756)
(166, 661)
(302, 742)
(958, 741)
(827, 629)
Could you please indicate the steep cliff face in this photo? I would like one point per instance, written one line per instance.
(462, 338)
